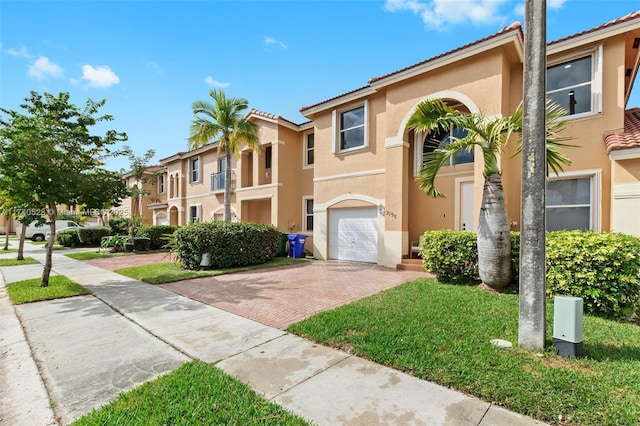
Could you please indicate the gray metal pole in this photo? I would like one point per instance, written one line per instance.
(532, 322)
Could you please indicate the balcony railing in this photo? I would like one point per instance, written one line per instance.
(218, 181)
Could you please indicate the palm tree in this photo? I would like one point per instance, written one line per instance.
(490, 135)
(223, 121)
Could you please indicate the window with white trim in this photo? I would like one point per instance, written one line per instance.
(575, 85)
(350, 127)
(194, 169)
(309, 141)
(194, 213)
(308, 214)
(571, 203)
(161, 179)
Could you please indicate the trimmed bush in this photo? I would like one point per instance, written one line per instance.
(155, 233)
(230, 244)
(92, 235)
(68, 237)
(601, 268)
(119, 225)
(452, 256)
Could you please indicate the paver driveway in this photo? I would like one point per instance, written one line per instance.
(282, 295)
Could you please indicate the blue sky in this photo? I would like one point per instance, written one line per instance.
(151, 59)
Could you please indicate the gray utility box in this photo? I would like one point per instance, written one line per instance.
(567, 326)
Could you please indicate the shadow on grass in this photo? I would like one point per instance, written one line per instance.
(607, 352)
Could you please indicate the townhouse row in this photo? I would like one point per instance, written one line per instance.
(345, 178)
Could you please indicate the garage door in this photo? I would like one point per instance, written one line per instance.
(353, 234)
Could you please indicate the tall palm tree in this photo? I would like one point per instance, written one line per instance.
(223, 121)
(490, 135)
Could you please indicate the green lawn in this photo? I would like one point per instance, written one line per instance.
(195, 394)
(166, 272)
(13, 262)
(30, 291)
(90, 255)
(10, 250)
(442, 333)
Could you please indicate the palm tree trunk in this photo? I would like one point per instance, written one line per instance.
(227, 186)
(494, 243)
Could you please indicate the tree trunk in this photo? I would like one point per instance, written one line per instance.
(6, 236)
(23, 235)
(532, 316)
(227, 186)
(46, 272)
(494, 242)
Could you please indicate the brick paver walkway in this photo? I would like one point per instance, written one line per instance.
(279, 296)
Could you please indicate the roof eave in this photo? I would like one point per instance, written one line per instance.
(340, 100)
(506, 38)
(592, 37)
(625, 154)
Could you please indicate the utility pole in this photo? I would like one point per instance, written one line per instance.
(532, 319)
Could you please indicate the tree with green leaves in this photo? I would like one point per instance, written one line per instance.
(223, 122)
(138, 169)
(103, 189)
(490, 137)
(47, 151)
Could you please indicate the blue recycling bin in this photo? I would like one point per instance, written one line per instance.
(296, 245)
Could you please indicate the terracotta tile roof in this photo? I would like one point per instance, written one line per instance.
(630, 137)
(616, 21)
(269, 116)
(515, 26)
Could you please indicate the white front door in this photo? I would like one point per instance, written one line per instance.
(466, 206)
(353, 234)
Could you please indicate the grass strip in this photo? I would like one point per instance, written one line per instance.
(30, 291)
(442, 333)
(91, 255)
(197, 393)
(14, 262)
(167, 272)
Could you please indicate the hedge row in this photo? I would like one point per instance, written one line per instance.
(158, 234)
(230, 244)
(601, 268)
(89, 236)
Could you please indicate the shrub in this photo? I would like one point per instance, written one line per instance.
(230, 244)
(68, 237)
(452, 256)
(115, 243)
(156, 233)
(119, 225)
(92, 235)
(601, 268)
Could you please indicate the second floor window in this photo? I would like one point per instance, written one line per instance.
(161, 184)
(267, 157)
(572, 84)
(309, 142)
(195, 170)
(443, 138)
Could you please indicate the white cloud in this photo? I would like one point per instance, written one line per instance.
(270, 41)
(43, 68)
(100, 76)
(437, 14)
(215, 83)
(555, 4)
(23, 53)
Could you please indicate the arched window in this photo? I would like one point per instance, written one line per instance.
(440, 139)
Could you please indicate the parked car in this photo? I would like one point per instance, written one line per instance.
(38, 232)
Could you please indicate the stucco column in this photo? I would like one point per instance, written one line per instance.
(395, 235)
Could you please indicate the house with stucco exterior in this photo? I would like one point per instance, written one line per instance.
(346, 178)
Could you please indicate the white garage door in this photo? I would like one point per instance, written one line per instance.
(353, 234)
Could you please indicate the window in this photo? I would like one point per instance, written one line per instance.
(573, 84)
(440, 139)
(350, 126)
(570, 204)
(161, 184)
(195, 170)
(308, 214)
(194, 213)
(267, 157)
(218, 180)
(309, 142)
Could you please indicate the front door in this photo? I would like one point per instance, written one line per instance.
(466, 206)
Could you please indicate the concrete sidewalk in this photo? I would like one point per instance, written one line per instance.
(91, 348)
